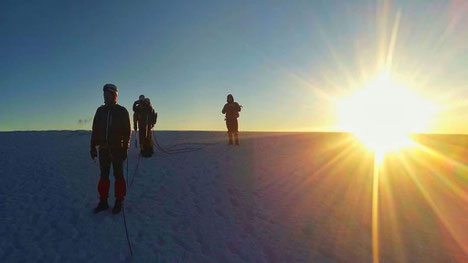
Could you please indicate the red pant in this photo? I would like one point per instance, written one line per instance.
(106, 158)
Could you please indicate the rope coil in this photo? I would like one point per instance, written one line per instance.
(173, 149)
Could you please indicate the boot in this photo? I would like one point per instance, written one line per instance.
(103, 205)
(117, 207)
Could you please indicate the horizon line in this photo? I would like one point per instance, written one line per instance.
(250, 131)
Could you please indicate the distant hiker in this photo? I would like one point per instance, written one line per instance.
(144, 119)
(136, 106)
(111, 132)
(232, 109)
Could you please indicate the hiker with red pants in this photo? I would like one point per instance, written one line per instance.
(111, 132)
(232, 109)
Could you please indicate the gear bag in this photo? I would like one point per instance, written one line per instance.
(153, 117)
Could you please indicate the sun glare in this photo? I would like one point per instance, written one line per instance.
(383, 113)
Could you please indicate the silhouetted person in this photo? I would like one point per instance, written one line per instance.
(144, 119)
(232, 109)
(137, 105)
(111, 132)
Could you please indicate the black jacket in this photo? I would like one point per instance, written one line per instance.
(111, 127)
(137, 104)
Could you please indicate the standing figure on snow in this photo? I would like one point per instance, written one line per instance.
(111, 132)
(232, 109)
(144, 119)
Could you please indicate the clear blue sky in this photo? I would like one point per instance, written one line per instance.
(284, 61)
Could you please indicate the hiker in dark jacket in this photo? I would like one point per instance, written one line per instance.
(138, 102)
(144, 119)
(232, 109)
(111, 132)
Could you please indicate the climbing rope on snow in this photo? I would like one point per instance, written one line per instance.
(126, 231)
(173, 149)
(123, 206)
(135, 171)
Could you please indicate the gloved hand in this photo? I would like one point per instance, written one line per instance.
(93, 153)
(124, 153)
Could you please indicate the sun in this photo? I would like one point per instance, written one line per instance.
(383, 113)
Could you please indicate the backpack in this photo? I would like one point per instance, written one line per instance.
(153, 117)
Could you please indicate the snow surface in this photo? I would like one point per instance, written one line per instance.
(278, 197)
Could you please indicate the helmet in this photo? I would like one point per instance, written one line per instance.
(111, 88)
(142, 97)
